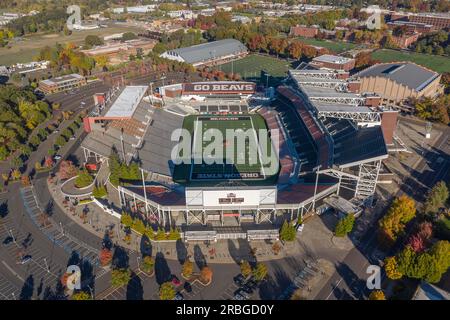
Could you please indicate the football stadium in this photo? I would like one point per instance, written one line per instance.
(223, 161)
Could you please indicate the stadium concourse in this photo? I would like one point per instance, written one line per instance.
(331, 141)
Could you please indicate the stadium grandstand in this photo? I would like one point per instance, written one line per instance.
(328, 151)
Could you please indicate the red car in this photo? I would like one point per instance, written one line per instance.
(175, 281)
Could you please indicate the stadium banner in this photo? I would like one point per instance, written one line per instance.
(230, 198)
(226, 87)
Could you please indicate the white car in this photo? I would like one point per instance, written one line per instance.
(57, 157)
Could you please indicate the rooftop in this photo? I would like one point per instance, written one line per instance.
(69, 77)
(409, 74)
(126, 102)
(210, 50)
(332, 59)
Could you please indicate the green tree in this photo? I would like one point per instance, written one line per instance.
(99, 191)
(83, 179)
(60, 141)
(436, 197)
(120, 277)
(148, 264)
(126, 220)
(81, 295)
(345, 225)
(166, 291)
(287, 232)
(260, 272)
(16, 162)
(92, 40)
(187, 269)
(129, 36)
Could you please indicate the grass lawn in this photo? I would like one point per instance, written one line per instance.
(433, 62)
(27, 48)
(251, 66)
(335, 46)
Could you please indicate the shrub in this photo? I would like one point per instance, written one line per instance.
(150, 233)
(81, 295)
(160, 235)
(206, 274)
(138, 226)
(120, 277)
(391, 268)
(377, 295)
(174, 234)
(126, 220)
(166, 291)
(148, 264)
(187, 269)
(99, 191)
(83, 179)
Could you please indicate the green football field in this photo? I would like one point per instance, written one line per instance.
(250, 67)
(437, 63)
(246, 161)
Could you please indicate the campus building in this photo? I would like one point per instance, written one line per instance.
(397, 81)
(211, 53)
(333, 62)
(62, 83)
(326, 140)
(304, 31)
(437, 20)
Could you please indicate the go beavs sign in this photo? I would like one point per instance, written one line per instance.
(220, 87)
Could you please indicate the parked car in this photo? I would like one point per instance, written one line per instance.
(25, 259)
(8, 240)
(237, 296)
(252, 284)
(243, 293)
(57, 157)
(178, 296)
(72, 138)
(239, 280)
(247, 289)
(187, 286)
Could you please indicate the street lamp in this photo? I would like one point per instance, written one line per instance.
(316, 169)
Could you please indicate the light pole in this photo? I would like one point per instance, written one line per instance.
(46, 265)
(316, 169)
(267, 79)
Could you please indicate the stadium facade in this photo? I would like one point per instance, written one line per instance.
(330, 141)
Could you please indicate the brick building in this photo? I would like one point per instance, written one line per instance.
(333, 62)
(62, 83)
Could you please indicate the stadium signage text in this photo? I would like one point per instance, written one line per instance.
(231, 198)
(238, 87)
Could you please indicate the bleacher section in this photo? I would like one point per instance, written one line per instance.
(285, 157)
(155, 153)
(313, 128)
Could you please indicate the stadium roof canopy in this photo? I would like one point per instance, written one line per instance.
(127, 102)
(210, 50)
(406, 73)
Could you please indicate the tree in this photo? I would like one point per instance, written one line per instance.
(120, 277)
(92, 40)
(436, 198)
(402, 210)
(166, 291)
(83, 179)
(126, 220)
(377, 295)
(148, 264)
(260, 272)
(416, 243)
(105, 256)
(129, 36)
(15, 174)
(345, 225)
(287, 232)
(206, 275)
(81, 295)
(246, 269)
(441, 254)
(187, 269)
(138, 226)
(99, 191)
(60, 141)
(16, 162)
(391, 268)
(174, 234)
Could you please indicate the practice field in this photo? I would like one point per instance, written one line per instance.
(251, 66)
(335, 46)
(235, 159)
(437, 63)
(28, 47)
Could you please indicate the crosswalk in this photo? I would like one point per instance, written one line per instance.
(228, 293)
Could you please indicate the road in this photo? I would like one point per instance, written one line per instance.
(349, 281)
